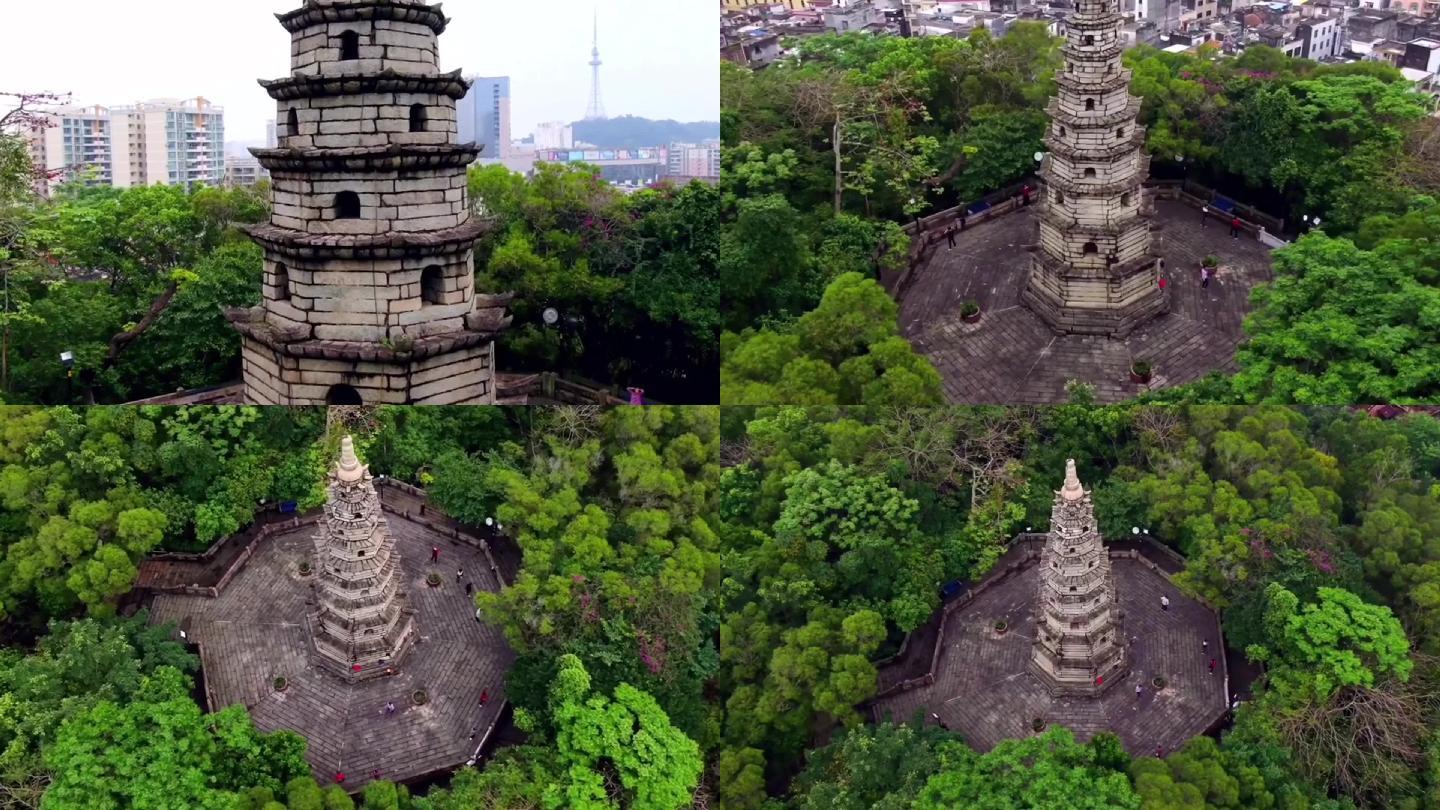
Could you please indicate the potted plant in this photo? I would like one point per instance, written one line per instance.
(1212, 261)
(1158, 682)
(432, 579)
(1001, 626)
(1140, 371)
(305, 568)
(1038, 724)
(970, 311)
(279, 683)
(419, 698)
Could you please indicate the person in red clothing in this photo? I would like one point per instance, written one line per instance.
(339, 777)
(484, 696)
(1025, 194)
(434, 554)
(1235, 227)
(1212, 666)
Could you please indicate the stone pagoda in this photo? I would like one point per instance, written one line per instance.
(361, 626)
(369, 291)
(1079, 648)
(1093, 271)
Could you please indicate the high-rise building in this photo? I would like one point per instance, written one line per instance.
(244, 170)
(79, 143)
(692, 160)
(165, 142)
(484, 115)
(176, 142)
(554, 135)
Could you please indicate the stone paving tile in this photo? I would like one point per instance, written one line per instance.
(1012, 357)
(256, 629)
(985, 692)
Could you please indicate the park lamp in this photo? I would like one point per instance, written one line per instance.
(67, 360)
(1134, 529)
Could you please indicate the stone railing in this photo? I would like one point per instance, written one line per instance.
(195, 574)
(1021, 552)
(548, 386)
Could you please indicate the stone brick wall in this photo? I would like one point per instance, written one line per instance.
(365, 119)
(465, 376)
(404, 47)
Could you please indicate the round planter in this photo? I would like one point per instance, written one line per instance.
(305, 569)
(279, 684)
(1140, 375)
(433, 580)
(1158, 682)
(970, 312)
(419, 698)
(1037, 725)
(1001, 627)
(973, 317)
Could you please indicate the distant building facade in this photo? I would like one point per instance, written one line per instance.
(164, 142)
(554, 135)
(244, 171)
(691, 160)
(484, 115)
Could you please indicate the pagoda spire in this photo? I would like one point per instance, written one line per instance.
(1079, 646)
(1093, 271)
(362, 626)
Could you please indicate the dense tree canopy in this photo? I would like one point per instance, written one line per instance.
(1308, 528)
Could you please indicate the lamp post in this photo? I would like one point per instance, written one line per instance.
(67, 361)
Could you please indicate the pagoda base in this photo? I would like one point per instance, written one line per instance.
(1079, 683)
(459, 370)
(1076, 302)
(379, 662)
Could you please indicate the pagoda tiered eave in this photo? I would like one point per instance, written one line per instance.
(299, 86)
(368, 159)
(392, 244)
(409, 11)
(1129, 112)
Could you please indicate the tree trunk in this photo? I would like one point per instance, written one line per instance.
(120, 342)
(839, 173)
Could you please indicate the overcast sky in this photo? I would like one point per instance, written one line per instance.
(659, 55)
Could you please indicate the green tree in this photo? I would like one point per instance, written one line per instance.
(1049, 771)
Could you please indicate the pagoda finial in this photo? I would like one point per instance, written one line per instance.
(349, 468)
(1072, 491)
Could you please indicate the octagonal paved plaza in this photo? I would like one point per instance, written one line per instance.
(257, 629)
(1012, 357)
(983, 689)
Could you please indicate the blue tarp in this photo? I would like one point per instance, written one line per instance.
(976, 208)
(1223, 204)
(950, 589)
(286, 507)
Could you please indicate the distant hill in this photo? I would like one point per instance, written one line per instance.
(632, 132)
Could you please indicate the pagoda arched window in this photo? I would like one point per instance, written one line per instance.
(292, 123)
(349, 46)
(1090, 247)
(1088, 39)
(1120, 133)
(1059, 196)
(1125, 200)
(1089, 104)
(417, 117)
(1090, 171)
(347, 205)
(432, 285)
(282, 282)
(343, 394)
(1062, 132)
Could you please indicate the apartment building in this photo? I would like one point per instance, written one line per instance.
(163, 142)
(484, 115)
(693, 160)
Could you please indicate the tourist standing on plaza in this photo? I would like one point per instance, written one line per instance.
(434, 554)
(1164, 603)
(1025, 194)
(1235, 227)
(1204, 216)
(1204, 276)
(950, 236)
(459, 574)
